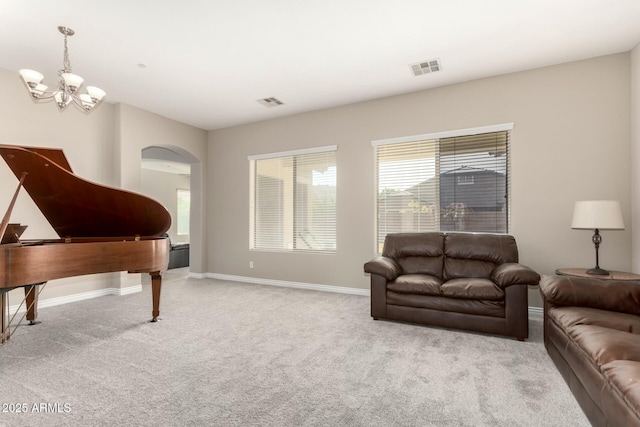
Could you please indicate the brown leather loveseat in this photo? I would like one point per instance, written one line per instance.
(592, 334)
(466, 281)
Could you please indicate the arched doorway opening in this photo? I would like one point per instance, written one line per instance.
(172, 175)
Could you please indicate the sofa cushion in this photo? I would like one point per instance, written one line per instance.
(416, 253)
(567, 317)
(482, 289)
(604, 345)
(420, 284)
(624, 375)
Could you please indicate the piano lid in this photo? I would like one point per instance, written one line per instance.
(76, 207)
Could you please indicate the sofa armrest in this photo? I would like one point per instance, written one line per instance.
(383, 266)
(512, 273)
(612, 295)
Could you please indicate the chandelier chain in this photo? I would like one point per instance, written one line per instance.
(66, 63)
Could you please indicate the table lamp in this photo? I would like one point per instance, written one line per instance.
(597, 215)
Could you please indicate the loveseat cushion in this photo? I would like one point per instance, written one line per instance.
(481, 289)
(476, 255)
(420, 284)
(567, 317)
(416, 253)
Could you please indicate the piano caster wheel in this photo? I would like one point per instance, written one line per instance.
(34, 322)
(154, 320)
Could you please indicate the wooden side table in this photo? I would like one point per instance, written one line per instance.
(613, 275)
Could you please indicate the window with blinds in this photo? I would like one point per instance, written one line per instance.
(452, 181)
(293, 200)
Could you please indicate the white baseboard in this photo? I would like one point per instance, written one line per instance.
(287, 284)
(51, 302)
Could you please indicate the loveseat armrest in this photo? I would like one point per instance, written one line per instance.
(512, 273)
(383, 266)
(612, 295)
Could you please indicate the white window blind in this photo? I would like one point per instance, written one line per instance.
(293, 201)
(444, 182)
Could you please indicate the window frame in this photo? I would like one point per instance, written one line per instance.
(296, 187)
(438, 136)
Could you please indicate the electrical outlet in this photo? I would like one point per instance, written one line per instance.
(250, 264)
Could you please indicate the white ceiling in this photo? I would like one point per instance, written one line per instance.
(208, 61)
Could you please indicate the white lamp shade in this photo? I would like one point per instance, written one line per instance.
(87, 102)
(72, 80)
(600, 214)
(30, 77)
(96, 93)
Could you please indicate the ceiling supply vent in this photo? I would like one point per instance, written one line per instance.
(425, 67)
(270, 102)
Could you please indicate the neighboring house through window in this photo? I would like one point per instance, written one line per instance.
(448, 181)
(293, 200)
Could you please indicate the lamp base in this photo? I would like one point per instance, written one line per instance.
(598, 272)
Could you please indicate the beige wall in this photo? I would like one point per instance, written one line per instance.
(140, 129)
(635, 155)
(571, 141)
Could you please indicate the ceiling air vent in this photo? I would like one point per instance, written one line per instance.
(270, 102)
(425, 67)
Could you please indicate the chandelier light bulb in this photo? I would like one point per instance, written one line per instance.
(69, 84)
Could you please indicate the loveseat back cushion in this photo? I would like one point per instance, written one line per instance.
(416, 253)
(475, 255)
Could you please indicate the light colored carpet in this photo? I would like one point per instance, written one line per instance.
(233, 354)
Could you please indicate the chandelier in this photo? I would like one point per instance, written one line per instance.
(67, 91)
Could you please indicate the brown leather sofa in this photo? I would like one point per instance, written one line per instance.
(466, 281)
(592, 334)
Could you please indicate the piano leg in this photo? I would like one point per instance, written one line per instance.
(31, 297)
(156, 282)
(4, 329)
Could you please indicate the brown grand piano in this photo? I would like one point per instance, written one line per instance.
(101, 229)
